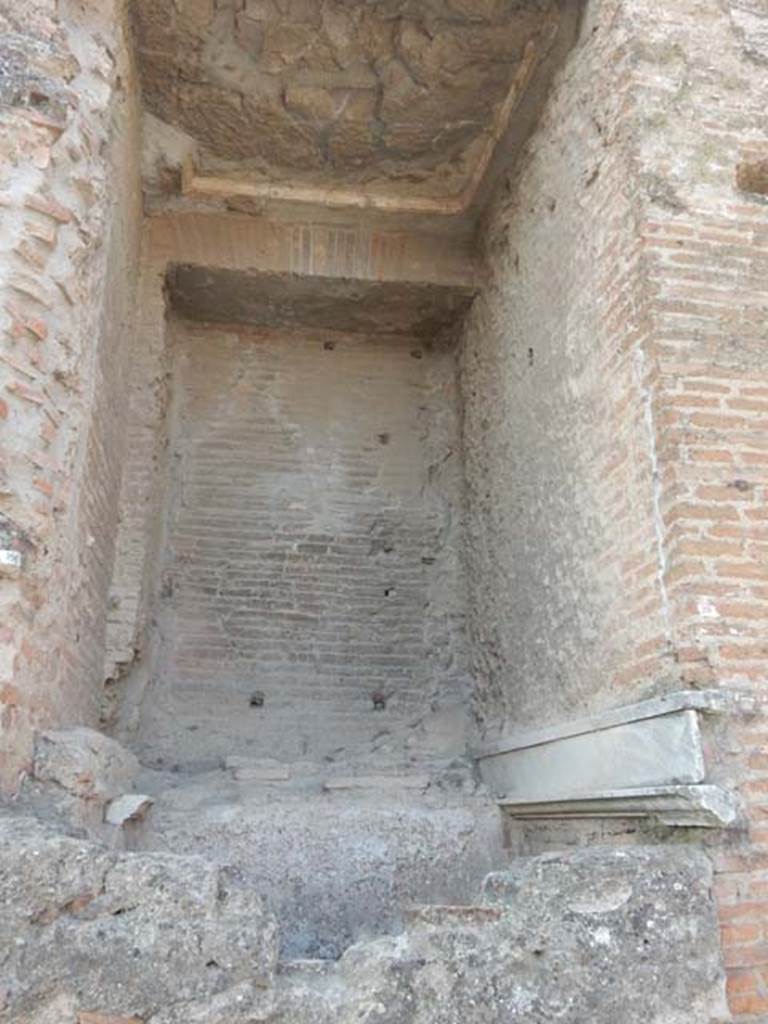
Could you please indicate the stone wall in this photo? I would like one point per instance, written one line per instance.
(310, 556)
(69, 203)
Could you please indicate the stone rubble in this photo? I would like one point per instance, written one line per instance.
(599, 934)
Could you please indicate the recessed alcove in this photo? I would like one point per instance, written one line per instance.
(380, 551)
(310, 553)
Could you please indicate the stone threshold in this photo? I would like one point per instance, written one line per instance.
(704, 701)
(643, 760)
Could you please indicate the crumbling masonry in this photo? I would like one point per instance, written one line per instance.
(383, 530)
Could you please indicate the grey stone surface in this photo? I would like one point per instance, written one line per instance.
(750, 19)
(616, 935)
(336, 865)
(121, 933)
(600, 936)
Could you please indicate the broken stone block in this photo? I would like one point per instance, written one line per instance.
(129, 807)
(85, 763)
(42, 873)
(599, 935)
(129, 933)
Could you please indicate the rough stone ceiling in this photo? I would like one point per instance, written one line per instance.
(405, 97)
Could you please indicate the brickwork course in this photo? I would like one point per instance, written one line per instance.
(369, 392)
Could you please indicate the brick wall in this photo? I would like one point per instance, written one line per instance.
(310, 551)
(144, 467)
(567, 602)
(623, 338)
(703, 93)
(615, 391)
(69, 209)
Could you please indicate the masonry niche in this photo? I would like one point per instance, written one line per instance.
(308, 596)
(378, 638)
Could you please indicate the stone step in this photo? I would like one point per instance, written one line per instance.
(365, 782)
(243, 769)
(437, 915)
(336, 865)
(342, 777)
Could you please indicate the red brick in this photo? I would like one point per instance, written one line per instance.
(44, 486)
(49, 207)
(727, 423)
(742, 571)
(748, 1003)
(742, 981)
(748, 910)
(711, 455)
(22, 391)
(735, 934)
